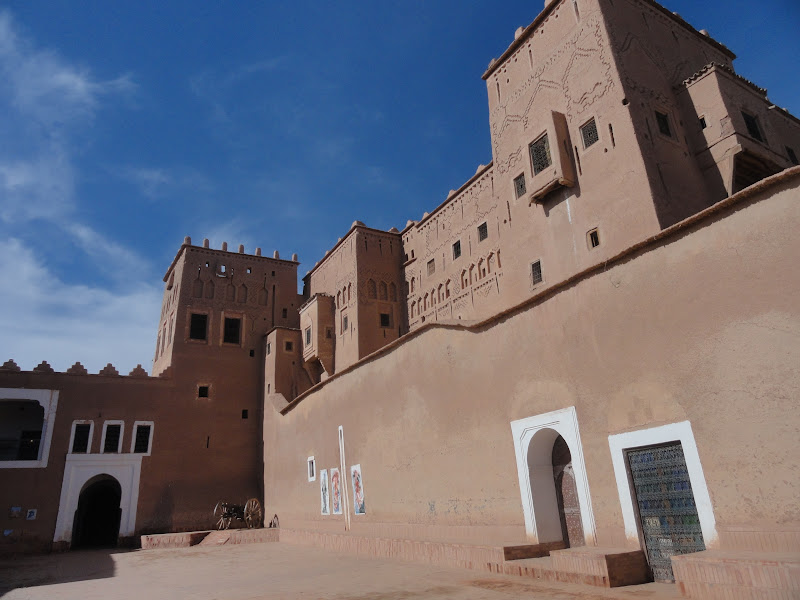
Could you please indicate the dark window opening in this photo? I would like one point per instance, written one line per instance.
(752, 126)
(589, 133)
(594, 238)
(244, 413)
(540, 155)
(232, 331)
(80, 442)
(344, 324)
(198, 327)
(519, 185)
(483, 232)
(29, 445)
(431, 267)
(202, 391)
(252, 353)
(457, 249)
(792, 155)
(308, 336)
(141, 443)
(328, 333)
(285, 313)
(536, 272)
(386, 320)
(703, 123)
(289, 346)
(663, 124)
(111, 444)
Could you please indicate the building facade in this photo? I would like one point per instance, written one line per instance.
(592, 343)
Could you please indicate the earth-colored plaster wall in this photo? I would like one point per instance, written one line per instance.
(701, 325)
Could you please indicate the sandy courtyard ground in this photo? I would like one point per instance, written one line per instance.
(271, 570)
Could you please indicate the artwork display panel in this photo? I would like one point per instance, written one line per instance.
(358, 490)
(336, 491)
(324, 491)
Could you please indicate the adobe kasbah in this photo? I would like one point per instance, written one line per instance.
(588, 352)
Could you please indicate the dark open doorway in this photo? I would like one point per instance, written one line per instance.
(569, 511)
(98, 515)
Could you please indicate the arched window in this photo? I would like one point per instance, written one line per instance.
(464, 280)
(382, 292)
(349, 287)
(472, 274)
(433, 298)
(481, 269)
(425, 302)
(447, 289)
(439, 296)
(413, 282)
(338, 299)
(490, 262)
(392, 292)
(371, 290)
(413, 307)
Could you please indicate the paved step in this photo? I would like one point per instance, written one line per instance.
(216, 538)
(738, 575)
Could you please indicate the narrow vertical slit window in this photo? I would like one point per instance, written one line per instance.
(483, 231)
(662, 119)
(753, 128)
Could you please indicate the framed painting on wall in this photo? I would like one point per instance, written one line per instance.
(325, 506)
(358, 490)
(336, 491)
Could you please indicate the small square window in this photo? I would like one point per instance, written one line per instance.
(519, 185)
(703, 123)
(249, 270)
(202, 391)
(198, 326)
(593, 238)
(308, 336)
(312, 469)
(252, 353)
(792, 155)
(483, 232)
(753, 128)
(285, 313)
(536, 272)
(245, 413)
(663, 124)
(386, 320)
(80, 440)
(232, 331)
(328, 333)
(540, 155)
(457, 249)
(431, 266)
(288, 346)
(141, 441)
(589, 133)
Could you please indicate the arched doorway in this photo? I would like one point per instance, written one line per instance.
(97, 518)
(537, 441)
(569, 510)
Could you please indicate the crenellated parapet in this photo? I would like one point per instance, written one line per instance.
(44, 368)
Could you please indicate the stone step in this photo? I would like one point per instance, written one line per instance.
(216, 538)
(209, 538)
(738, 575)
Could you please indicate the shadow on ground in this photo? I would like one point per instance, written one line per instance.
(78, 565)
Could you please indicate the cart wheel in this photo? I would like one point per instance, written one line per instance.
(252, 513)
(221, 515)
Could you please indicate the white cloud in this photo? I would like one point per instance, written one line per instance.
(157, 183)
(45, 318)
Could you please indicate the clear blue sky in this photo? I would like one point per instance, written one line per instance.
(125, 126)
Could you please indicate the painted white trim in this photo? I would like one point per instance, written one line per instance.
(674, 432)
(48, 399)
(72, 436)
(311, 462)
(103, 438)
(564, 422)
(152, 426)
(80, 468)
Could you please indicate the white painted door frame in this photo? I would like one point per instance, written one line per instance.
(80, 468)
